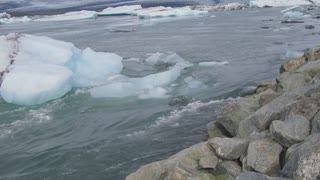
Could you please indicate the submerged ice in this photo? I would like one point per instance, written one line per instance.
(35, 69)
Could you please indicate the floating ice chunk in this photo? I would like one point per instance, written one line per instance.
(157, 12)
(194, 84)
(76, 15)
(278, 3)
(293, 14)
(94, 68)
(214, 63)
(226, 7)
(43, 49)
(13, 20)
(5, 15)
(35, 84)
(114, 89)
(120, 10)
(154, 93)
(162, 58)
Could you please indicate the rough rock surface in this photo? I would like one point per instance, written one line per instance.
(264, 85)
(257, 176)
(311, 68)
(288, 81)
(264, 156)
(303, 160)
(216, 130)
(229, 167)
(312, 54)
(292, 65)
(235, 112)
(229, 148)
(294, 130)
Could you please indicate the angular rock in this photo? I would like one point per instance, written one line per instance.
(257, 176)
(182, 165)
(216, 130)
(312, 54)
(267, 96)
(229, 148)
(260, 135)
(292, 65)
(208, 162)
(288, 81)
(294, 130)
(229, 167)
(305, 107)
(264, 85)
(262, 118)
(236, 112)
(303, 160)
(264, 156)
(311, 68)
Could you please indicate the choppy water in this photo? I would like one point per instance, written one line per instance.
(79, 137)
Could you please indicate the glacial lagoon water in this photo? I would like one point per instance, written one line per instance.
(81, 137)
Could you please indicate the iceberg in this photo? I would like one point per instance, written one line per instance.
(120, 10)
(157, 12)
(213, 63)
(36, 69)
(13, 20)
(69, 16)
(226, 7)
(280, 3)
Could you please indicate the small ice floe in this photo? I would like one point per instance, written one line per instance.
(120, 10)
(69, 16)
(213, 63)
(160, 11)
(6, 18)
(278, 3)
(225, 7)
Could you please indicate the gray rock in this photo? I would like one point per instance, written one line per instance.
(257, 176)
(316, 124)
(264, 156)
(305, 107)
(311, 68)
(262, 118)
(267, 96)
(180, 166)
(294, 130)
(236, 112)
(303, 160)
(264, 85)
(229, 148)
(229, 167)
(292, 65)
(208, 162)
(312, 54)
(216, 130)
(288, 81)
(260, 135)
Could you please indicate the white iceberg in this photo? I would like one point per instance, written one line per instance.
(34, 70)
(163, 58)
(225, 7)
(120, 10)
(69, 16)
(38, 69)
(157, 12)
(280, 3)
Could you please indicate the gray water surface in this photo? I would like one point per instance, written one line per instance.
(80, 137)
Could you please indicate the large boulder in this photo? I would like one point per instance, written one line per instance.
(216, 130)
(311, 68)
(229, 167)
(236, 112)
(264, 156)
(180, 166)
(265, 85)
(257, 176)
(267, 96)
(312, 54)
(306, 107)
(291, 131)
(316, 124)
(288, 81)
(262, 118)
(229, 148)
(303, 160)
(292, 65)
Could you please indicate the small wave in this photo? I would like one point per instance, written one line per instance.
(174, 116)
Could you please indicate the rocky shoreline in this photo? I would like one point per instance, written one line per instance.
(273, 134)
